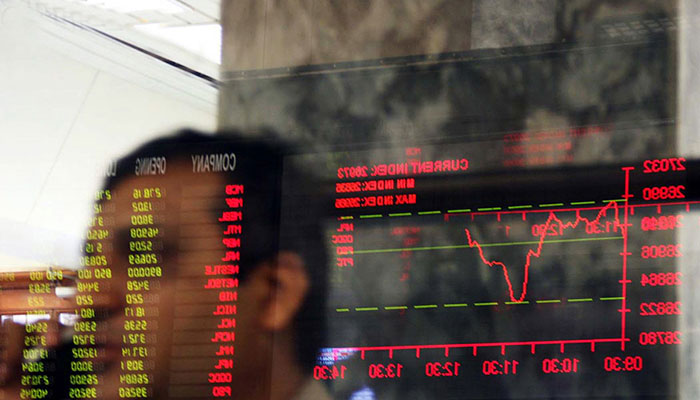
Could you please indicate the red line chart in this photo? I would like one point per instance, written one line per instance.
(553, 220)
(619, 213)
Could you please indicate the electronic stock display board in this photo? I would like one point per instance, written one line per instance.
(450, 272)
(450, 279)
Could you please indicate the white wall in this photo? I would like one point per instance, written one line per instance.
(70, 102)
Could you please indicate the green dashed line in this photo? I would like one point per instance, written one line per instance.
(428, 212)
(552, 205)
(466, 210)
(451, 305)
(492, 303)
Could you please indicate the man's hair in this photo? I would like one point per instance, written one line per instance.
(258, 167)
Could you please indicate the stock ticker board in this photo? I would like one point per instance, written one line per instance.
(459, 271)
(492, 269)
(462, 257)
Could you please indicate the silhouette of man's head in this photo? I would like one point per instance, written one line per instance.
(179, 206)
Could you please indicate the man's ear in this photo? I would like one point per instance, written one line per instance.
(288, 285)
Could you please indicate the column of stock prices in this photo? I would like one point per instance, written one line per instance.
(504, 270)
(154, 313)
